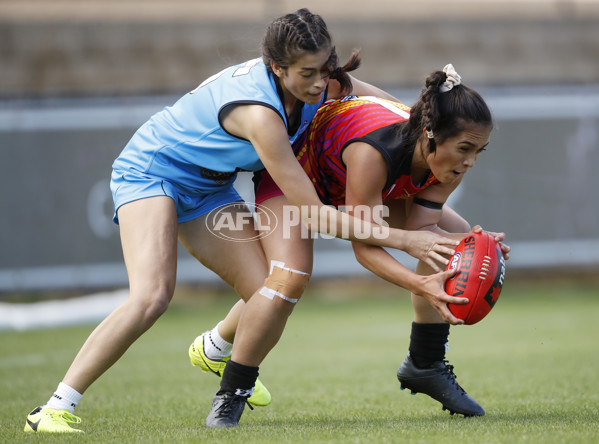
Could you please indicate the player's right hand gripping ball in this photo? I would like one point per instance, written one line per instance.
(480, 270)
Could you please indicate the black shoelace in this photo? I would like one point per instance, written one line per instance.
(226, 407)
(451, 375)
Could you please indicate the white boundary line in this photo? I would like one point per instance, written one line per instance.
(81, 310)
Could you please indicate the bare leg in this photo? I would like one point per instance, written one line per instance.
(228, 326)
(263, 320)
(241, 264)
(425, 369)
(424, 313)
(149, 240)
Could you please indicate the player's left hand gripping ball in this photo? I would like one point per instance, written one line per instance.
(480, 271)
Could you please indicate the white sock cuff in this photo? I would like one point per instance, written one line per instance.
(215, 346)
(65, 397)
(68, 392)
(218, 339)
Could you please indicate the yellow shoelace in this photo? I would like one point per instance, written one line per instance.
(66, 416)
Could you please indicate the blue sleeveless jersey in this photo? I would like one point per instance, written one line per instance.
(186, 145)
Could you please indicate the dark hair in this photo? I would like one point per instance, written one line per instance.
(445, 114)
(289, 37)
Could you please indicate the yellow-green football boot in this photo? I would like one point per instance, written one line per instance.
(48, 420)
(198, 358)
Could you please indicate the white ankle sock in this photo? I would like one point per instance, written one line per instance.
(65, 397)
(215, 347)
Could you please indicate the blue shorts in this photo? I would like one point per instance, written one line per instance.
(130, 186)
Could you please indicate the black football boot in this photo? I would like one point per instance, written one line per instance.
(439, 382)
(227, 408)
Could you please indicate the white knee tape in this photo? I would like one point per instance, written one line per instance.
(285, 283)
(270, 294)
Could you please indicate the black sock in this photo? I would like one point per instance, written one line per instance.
(427, 343)
(238, 378)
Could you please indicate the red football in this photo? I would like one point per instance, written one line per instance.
(480, 269)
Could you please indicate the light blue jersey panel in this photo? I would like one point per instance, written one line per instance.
(185, 143)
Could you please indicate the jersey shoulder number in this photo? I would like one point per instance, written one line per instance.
(240, 71)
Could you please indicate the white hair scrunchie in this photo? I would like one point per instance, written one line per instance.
(453, 78)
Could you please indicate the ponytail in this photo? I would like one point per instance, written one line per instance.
(340, 73)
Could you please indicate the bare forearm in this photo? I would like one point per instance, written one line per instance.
(329, 221)
(381, 263)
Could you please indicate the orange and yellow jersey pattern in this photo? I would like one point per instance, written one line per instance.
(367, 119)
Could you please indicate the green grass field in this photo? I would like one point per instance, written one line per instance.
(533, 364)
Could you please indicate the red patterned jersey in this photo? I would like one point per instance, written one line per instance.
(351, 119)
